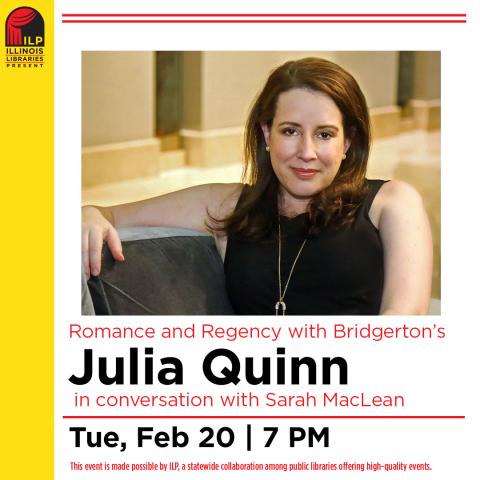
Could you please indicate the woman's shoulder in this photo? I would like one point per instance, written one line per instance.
(224, 198)
(397, 191)
(395, 198)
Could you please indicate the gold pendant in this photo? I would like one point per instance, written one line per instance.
(280, 308)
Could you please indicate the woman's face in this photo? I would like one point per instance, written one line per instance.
(307, 143)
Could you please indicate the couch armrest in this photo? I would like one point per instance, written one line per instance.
(166, 272)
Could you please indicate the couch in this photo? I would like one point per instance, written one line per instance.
(167, 271)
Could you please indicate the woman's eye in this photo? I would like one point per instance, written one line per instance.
(289, 131)
(325, 135)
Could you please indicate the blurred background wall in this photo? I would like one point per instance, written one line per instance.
(154, 122)
(124, 92)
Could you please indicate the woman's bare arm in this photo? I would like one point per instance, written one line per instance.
(189, 208)
(407, 245)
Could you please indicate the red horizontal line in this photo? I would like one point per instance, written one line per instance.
(275, 417)
(264, 15)
(264, 21)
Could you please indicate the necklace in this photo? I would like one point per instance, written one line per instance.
(281, 306)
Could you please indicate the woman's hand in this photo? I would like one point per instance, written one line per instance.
(95, 229)
(188, 208)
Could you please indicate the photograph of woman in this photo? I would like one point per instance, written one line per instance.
(305, 233)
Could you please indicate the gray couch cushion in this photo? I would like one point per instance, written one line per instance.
(166, 272)
(87, 304)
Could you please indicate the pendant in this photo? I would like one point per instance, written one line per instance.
(280, 308)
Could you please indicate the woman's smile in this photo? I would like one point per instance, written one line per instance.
(304, 173)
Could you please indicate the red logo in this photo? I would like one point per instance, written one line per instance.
(24, 27)
(24, 39)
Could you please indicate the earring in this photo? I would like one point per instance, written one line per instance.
(267, 148)
(344, 156)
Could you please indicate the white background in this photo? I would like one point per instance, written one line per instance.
(436, 377)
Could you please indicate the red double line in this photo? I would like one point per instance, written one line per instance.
(264, 18)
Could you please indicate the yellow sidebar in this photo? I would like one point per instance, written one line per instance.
(26, 240)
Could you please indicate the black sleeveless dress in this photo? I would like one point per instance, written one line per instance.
(338, 272)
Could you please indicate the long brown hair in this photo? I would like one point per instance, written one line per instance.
(256, 213)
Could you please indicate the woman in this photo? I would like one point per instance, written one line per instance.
(307, 234)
